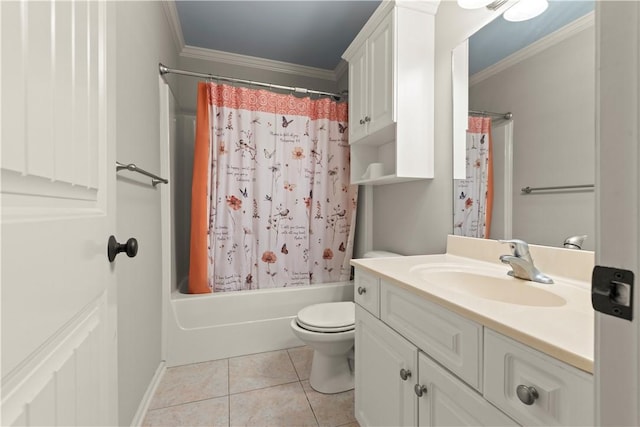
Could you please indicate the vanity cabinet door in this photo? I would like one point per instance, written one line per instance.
(551, 393)
(382, 397)
(447, 401)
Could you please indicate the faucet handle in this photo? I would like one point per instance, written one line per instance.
(574, 242)
(519, 248)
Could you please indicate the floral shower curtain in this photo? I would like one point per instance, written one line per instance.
(271, 201)
(473, 196)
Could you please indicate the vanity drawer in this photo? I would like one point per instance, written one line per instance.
(452, 340)
(366, 290)
(564, 393)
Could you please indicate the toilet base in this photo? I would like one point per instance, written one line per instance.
(331, 374)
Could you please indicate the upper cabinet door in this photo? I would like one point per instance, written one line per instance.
(380, 107)
(358, 96)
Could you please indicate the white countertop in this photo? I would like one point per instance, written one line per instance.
(564, 332)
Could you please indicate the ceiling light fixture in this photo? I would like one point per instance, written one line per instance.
(520, 11)
(525, 9)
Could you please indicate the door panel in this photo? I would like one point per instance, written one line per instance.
(617, 341)
(56, 214)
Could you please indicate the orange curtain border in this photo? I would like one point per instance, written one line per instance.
(198, 264)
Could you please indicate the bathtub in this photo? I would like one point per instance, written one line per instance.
(216, 326)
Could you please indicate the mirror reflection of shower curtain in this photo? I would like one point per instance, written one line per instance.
(473, 196)
(272, 205)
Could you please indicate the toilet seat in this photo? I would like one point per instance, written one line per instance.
(327, 317)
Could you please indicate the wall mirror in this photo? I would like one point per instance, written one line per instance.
(541, 72)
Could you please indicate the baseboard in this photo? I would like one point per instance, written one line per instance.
(148, 395)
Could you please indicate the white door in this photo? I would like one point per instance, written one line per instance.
(58, 289)
(617, 353)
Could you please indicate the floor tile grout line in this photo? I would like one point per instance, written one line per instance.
(294, 366)
(310, 405)
(228, 392)
(187, 403)
(265, 387)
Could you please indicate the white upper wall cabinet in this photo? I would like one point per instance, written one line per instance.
(391, 94)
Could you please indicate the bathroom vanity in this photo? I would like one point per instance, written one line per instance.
(452, 340)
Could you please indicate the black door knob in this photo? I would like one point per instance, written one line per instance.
(114, 248)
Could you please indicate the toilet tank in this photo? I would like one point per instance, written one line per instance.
(379, 254)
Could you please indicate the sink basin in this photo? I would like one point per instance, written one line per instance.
(486, 283)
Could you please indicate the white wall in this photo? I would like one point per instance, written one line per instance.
(552, 97)
(143, 40)
(415, 217)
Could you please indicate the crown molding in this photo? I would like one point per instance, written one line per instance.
(341, 68)
(427, 6)
(171, 12)
(255, 62)
(538, 46)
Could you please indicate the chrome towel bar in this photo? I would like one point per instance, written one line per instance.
(155, 179)
(528, 190)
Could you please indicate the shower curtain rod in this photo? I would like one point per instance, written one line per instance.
(506, 116)
(166, 70)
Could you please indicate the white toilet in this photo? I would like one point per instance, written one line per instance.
(329, 328)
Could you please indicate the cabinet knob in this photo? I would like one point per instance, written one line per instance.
(362, 121)
(527, 394)
(367, 119)
(362, 290)
(420, 389)
(405, 374)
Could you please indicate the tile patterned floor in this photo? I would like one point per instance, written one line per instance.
(265, 389)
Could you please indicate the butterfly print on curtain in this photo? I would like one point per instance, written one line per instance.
(285, 208)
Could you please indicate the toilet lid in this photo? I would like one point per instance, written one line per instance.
(328, 317)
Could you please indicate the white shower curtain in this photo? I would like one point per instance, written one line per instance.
(279, 207)
(473, 196)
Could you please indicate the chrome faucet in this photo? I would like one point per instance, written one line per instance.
(521, 262)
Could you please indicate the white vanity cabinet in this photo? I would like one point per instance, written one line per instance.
(391, 94)
(420, 364)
